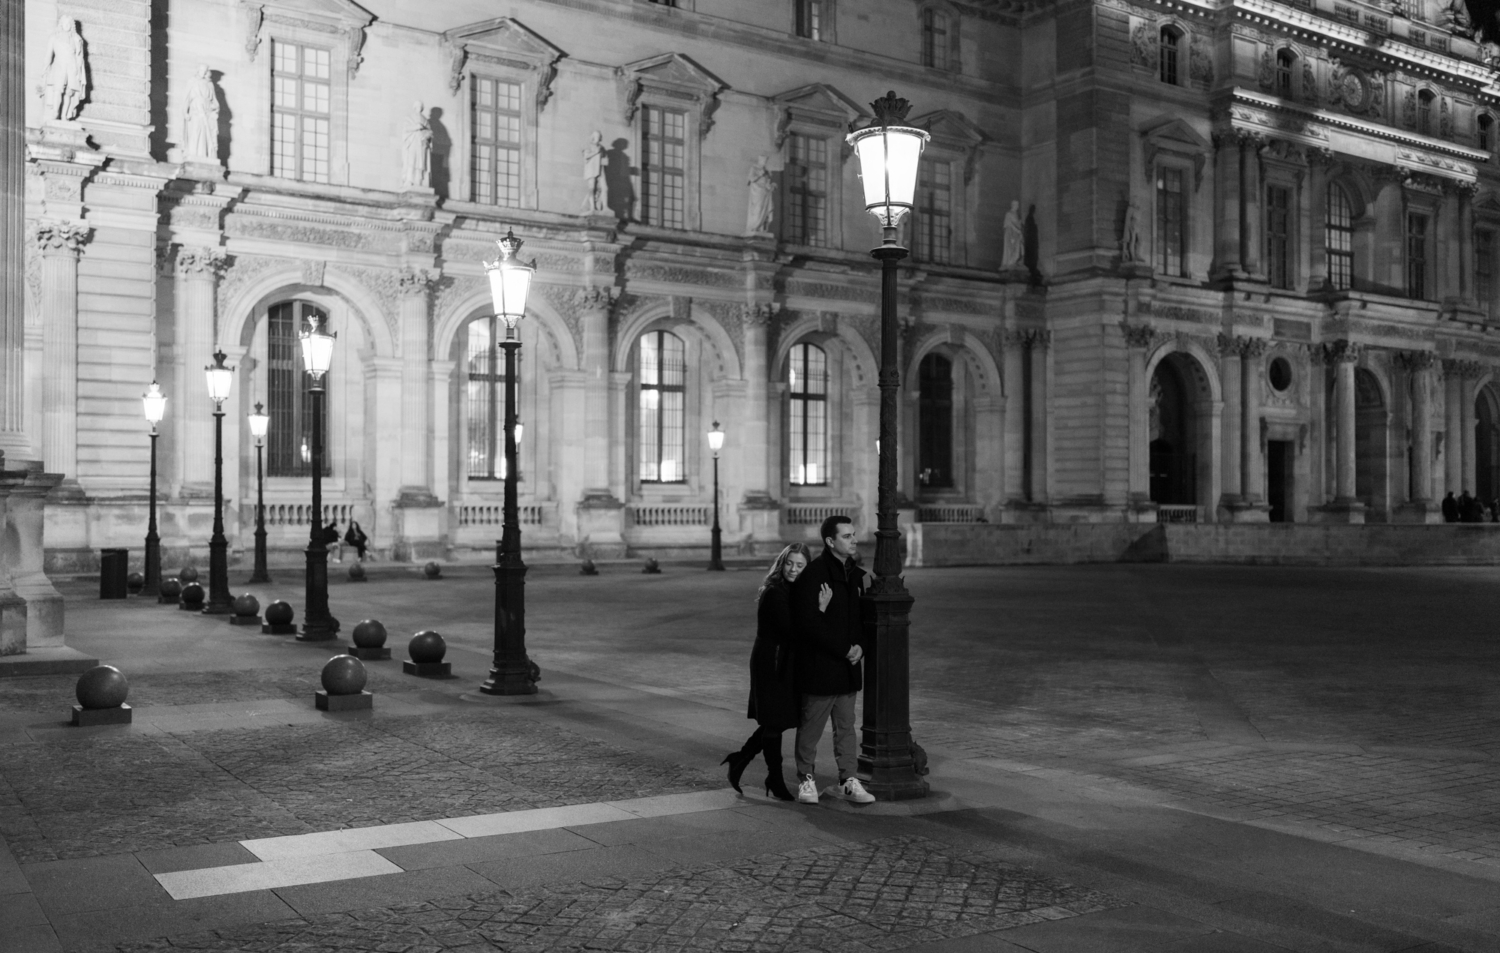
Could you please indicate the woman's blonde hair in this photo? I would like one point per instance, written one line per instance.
(776, 575)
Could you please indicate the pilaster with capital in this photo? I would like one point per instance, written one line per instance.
(1252, 455)
(1138, 339)
(1343, 356)
(1227, 206)
(197, 270)
(1250, 194)
(757, 320)
(1465, 373)
(1038, 344)
(60, 243)
(1318, 163)
(1453, 443)
(595, 305)
(1230, 368)
(414, 286)
(1419, 364)
(1013, 354)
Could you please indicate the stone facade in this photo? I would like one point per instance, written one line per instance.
(1205, 357)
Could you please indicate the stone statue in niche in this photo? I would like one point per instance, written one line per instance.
(64, 79)
(594, 155)
(758, 213)
(416, 150)
(1130, 237)
(1014, 243)
(200, 119)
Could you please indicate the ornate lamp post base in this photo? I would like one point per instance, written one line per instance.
(318, 624)
(885, 755)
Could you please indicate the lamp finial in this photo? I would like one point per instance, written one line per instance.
(890, 109)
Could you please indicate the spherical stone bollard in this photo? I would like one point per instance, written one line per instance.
(191, 599)
(651, 567)
(427, 649)
(587, 568)
(101, 695)
(432, 570)
(188, 574)
(171, 590)
(344, 680)
(246, 610)
(135, 582)
(357, 572)
(279, 619)
(369, 641)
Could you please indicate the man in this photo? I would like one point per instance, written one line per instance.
(1450, 508)
(826, 632)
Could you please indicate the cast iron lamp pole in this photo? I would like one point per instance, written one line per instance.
(513, 672)
(888, 155)
(155, 403)
(716, 549)
(220, 602)
(259, 423)
(318, 624)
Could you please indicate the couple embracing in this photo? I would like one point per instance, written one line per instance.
(805, 666)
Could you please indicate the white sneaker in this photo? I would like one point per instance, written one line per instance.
(852, 790)
(807, 792)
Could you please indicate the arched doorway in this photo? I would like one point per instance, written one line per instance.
(1175, 431)
(1487, 444)
(1371, 448)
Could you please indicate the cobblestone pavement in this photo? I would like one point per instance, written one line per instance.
(882, 895)
(116, 792)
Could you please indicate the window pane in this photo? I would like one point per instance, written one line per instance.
(1170, 223)
(1278, 236)
(933, 216)
(663, 374)
(300, 105)
(1339, 238)
(807, 426)
(288, 403)
(496, 146)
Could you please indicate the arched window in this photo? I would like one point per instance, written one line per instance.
(1286, 63)
(807, 424)
(1424, 113)
(1486, 133)
(935, 422)
(1338, 236)
(289, 439)
(484, 367)
(662, 369)
(1170, 42)
(936, 39)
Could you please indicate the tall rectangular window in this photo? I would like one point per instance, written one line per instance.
(1168, 46)
(935, 422)
(485, 400)
(935, 39)
(496, 149)
(810, 19)
(301, 93)
(807, 426)
(1338, 237)
(1171, 223)
(1416, 255)
(663, 376)
(664, 167)
(932, 219)
(1279, 236)
(288, 403)
(807, 190)
(1484, 267)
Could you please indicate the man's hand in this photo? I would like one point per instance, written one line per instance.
(825, 596)
(855, 654)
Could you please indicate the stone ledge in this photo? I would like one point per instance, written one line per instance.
(52, 660)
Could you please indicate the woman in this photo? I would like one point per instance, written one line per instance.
(773, 700)
(356, 537)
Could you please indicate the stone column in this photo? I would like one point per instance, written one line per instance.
(24, 522)
(1229, 383)
(416, 417)
(1419, 363)
(1138, 341)
(760, 516)
(12, 606)
(60, 243)
(595, 306)
(1252, 458)
(1318, 161)
(1466, 396)
(1250, 203)
(1227, 201)
(1344, 355)
(196, 331)
(1039, 342)
(1453, 441)
(13, 439)
(1466, 291)
(1015, 407)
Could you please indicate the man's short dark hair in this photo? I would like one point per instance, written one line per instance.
(830, 527)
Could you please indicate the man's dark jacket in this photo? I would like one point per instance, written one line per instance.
(824, 638)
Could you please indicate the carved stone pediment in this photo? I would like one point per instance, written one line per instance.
(671, 76)
(505, 42)
(819, 104)
(954, 132)
(342, 18)
(1175, 137)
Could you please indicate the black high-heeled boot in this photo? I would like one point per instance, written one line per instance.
(739, 760)
(775, 783)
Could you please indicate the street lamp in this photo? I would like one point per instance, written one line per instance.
(155, 404)
(513, 673)
(716, 551)
(888, 155)
(260, 422)
(318, 624)
(220, 602)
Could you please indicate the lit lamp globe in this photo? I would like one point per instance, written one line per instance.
(716, 438)
(510, 281)
(888, 155)
(260, 423)
(220, 379)
(317, 349)
(155, 404)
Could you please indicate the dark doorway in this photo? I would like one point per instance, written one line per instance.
(935, 422)
(1279, 457)
(1486, 446)
(1174, 465)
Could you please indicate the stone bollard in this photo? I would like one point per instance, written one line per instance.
(101, 695)
(432, 571)
(369, 641)
(357, 572)
(343, 686)
(587, 568)
(246, 610)
(187, 574)
(427, 649)
(278, 619)
(651, 566)
(135, 582)
(191, 599)
(171, 591)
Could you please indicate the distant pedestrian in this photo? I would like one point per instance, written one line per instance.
(826, 620)
(331, 540)
(1450, 508)
(773, 695)
(356, 537)
(1468, 509)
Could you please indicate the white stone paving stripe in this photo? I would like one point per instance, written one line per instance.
(352, 838)
(268, 875)
(541, 819)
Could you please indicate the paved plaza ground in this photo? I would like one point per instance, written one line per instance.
(1126, 758)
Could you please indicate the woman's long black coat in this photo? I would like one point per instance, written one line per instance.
(773, 699)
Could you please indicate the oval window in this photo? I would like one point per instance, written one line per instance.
(1280, 373)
